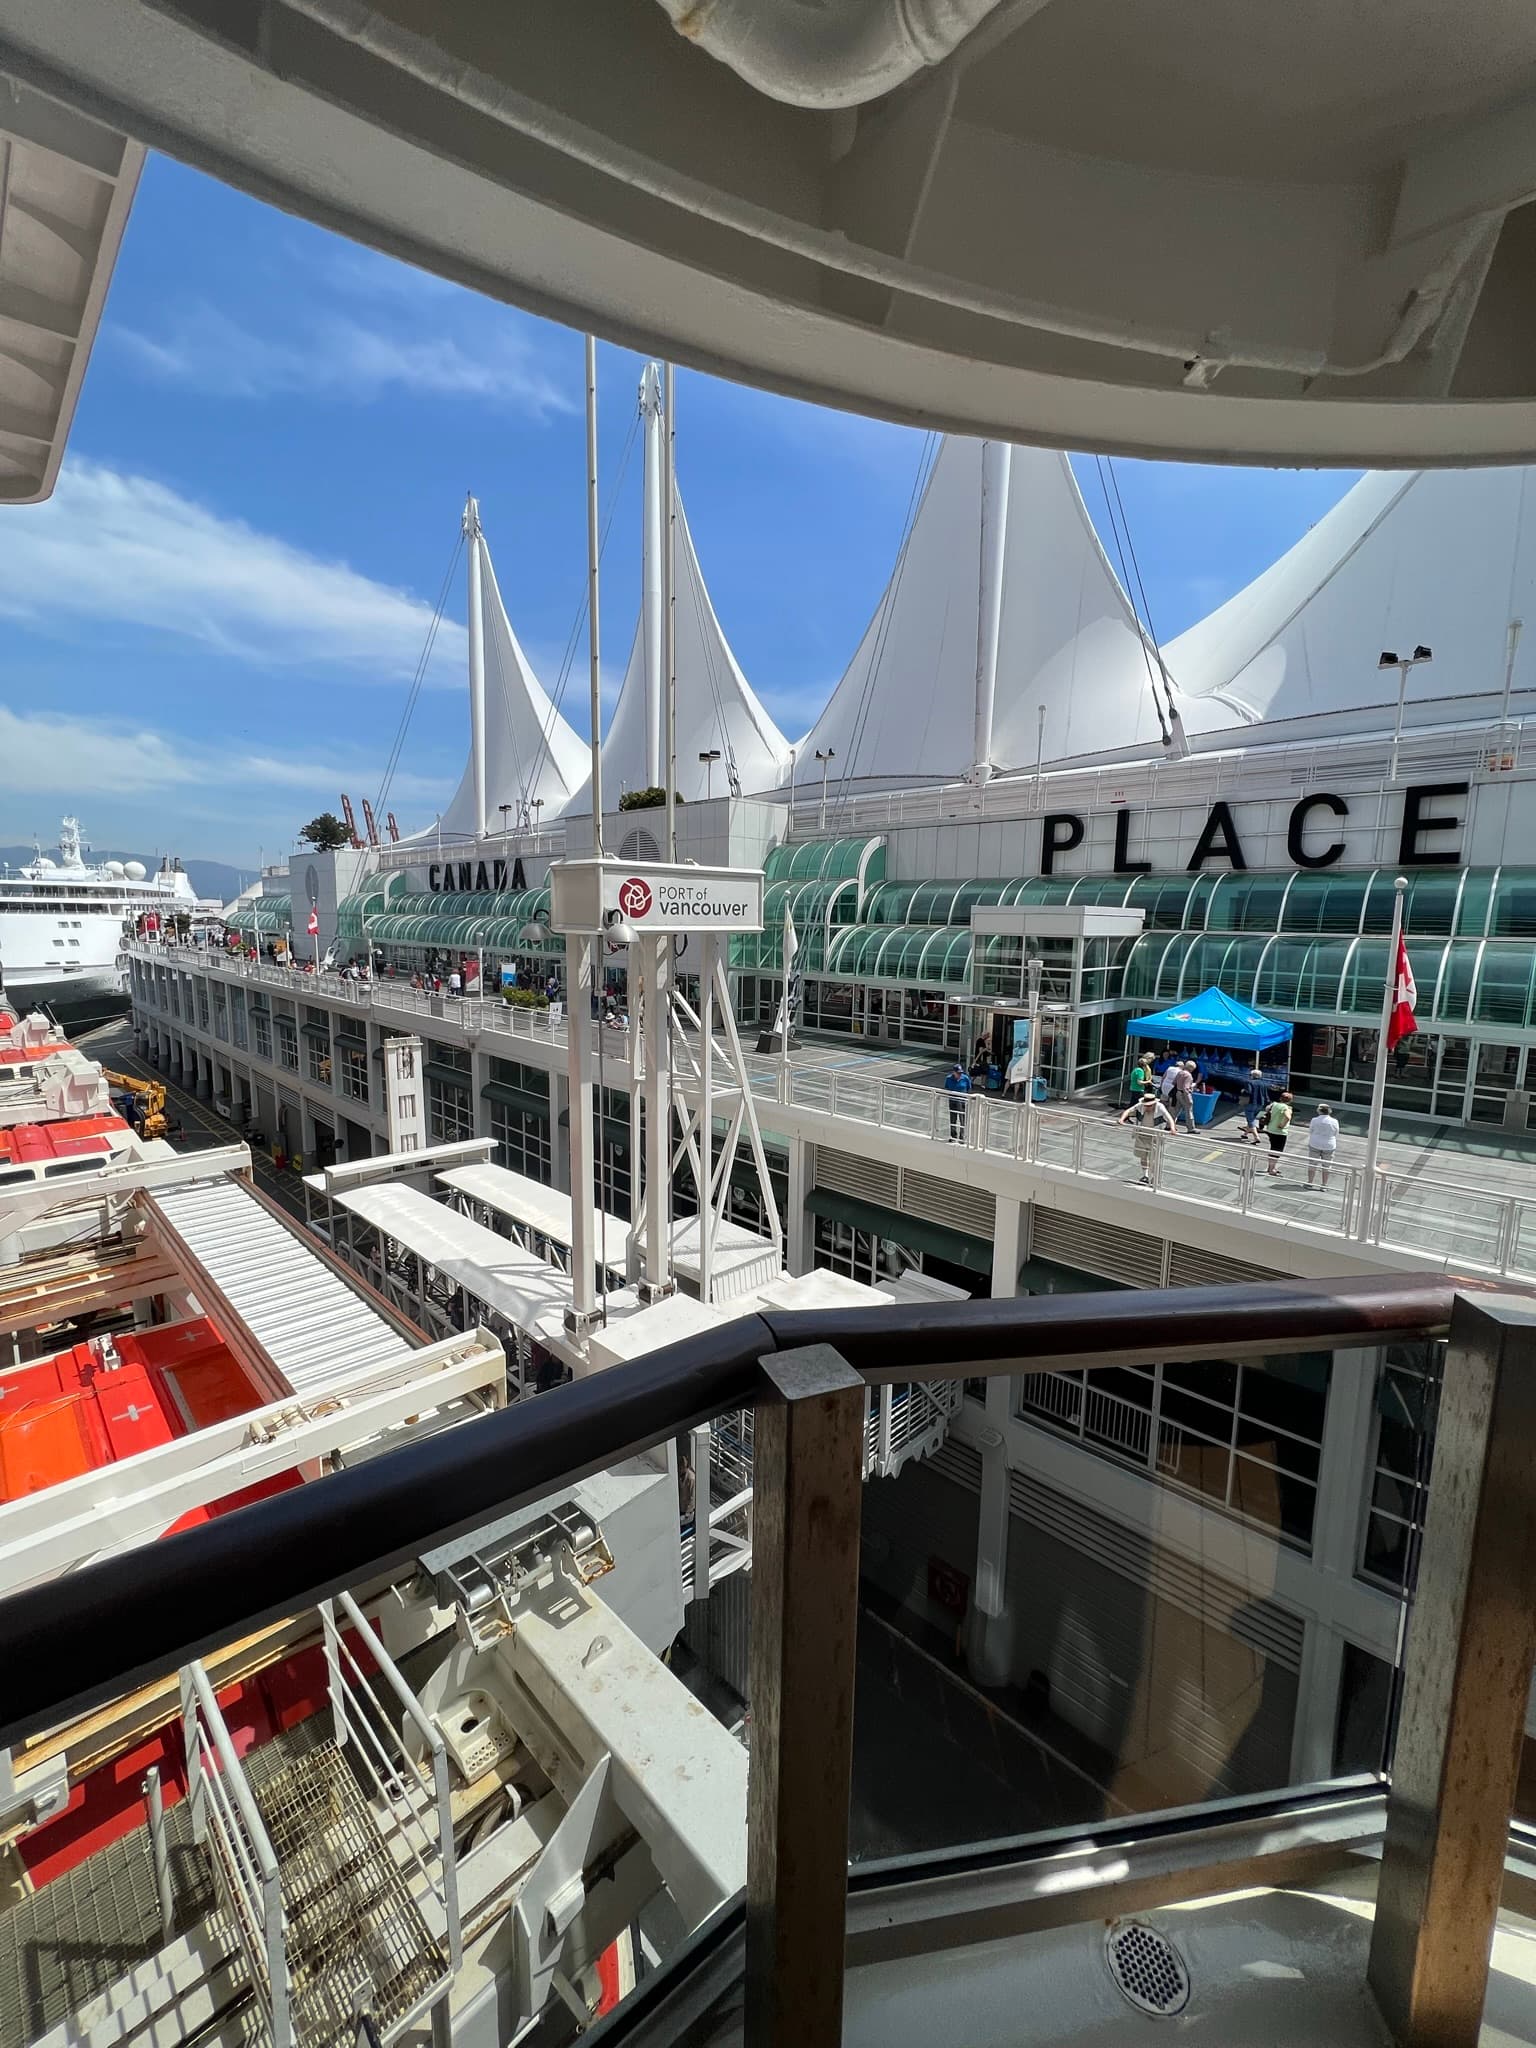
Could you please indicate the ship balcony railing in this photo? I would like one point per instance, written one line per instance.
(1132, 1722)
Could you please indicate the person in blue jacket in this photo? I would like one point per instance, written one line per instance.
(958, 1082)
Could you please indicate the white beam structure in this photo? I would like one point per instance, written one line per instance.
(138, 1499)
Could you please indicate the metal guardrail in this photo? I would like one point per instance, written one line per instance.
(1487, 1232)
(1342, 764)
(420, 1813)
(226, 1821)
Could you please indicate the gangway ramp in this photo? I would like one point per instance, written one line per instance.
(538, 1215)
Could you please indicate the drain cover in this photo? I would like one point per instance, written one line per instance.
(1147, 1968)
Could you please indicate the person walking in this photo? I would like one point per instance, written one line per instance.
(958, 1083)
(1146, 1115)
(1140, 1076)
(1254, 1100)
(1277, 1124)
(1322, 1142)
(1183, 1104)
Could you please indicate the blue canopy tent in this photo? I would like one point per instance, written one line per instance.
(1211, 1019)
(1234, 1034)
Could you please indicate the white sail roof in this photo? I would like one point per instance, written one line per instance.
(1444, 558)
(530, 751)
(716, 705)
(1069, 638)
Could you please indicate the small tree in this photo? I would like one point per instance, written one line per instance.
(325, 833)
(650, 799)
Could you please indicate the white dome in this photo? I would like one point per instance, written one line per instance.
(115, 868)
(134, 870)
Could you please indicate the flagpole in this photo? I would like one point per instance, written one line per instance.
(1379, 1085)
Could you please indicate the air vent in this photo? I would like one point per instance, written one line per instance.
(639, 846)
(867, 1180)
(950, 1203)
(958, 1462)
(1190, 1266)
(1129, 1256)
(1148, 1970)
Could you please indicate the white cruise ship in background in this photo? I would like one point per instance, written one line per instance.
(62, 925)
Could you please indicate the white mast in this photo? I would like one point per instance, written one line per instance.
(996, 474)
(476, 664)
(652, 606)
(669, 636)
(581, 1028)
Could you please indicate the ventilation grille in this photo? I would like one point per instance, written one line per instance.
(867, 1180)
(1190, 1266)
(1210, 1596)
(1130, 1256)
(639, 846)
(948, 1202)
(1147, 1968)
(959, 1463)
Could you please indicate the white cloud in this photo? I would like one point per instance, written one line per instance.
(109, 547)
(45, 754)
(55, 755)
(335, 357)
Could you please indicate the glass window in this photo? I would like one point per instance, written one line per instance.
(1320, 902)
(522, 1140)
(1503, 991)
(354, 1070)
(1246, 902)
(1514, 904)
(261, 1034)
(1304, 974)
(1407, 1393)
(287, 1044)
(318, 1061)
(1245, 1437)
(1216, 960)
(450, 1115)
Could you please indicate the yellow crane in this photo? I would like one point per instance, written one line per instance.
(146, 1111)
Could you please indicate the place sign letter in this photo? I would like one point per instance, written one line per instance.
(1295, 837)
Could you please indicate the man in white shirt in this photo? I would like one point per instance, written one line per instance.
(1322, 1143)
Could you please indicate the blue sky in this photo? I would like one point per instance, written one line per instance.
(210, 630)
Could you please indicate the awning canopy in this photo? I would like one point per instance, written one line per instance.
(1210, 1018)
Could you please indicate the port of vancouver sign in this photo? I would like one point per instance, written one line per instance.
(587, 895)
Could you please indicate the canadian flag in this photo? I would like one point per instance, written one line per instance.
(314, 933)
(1405, 994)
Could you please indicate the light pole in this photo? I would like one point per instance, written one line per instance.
(536, 806)
(826, 759)
(505, 826)
(1402, 664)
(709, 759)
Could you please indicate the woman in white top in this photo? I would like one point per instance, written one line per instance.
(1322, 1143)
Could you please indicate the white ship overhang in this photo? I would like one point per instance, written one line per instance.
(66, 184)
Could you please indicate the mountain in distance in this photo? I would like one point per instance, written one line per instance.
(210, 878)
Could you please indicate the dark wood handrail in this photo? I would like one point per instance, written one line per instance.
(78, 1641)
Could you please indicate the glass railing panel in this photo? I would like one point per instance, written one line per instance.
(1199, 1595)
(1462, 1222)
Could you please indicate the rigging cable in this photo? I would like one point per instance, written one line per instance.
(1146, 606)
(1126, 586)
(927, 462)
(416, 680)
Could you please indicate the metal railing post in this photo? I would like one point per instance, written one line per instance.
(807, 1485)
(1509, 1232)
(160, 1851)
(197, 1791)
(1467, 1670)
(335, 1682)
